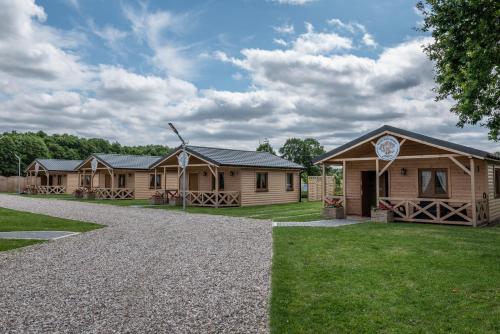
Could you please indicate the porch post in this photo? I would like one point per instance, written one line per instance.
(323, 180)
(473, 191)
(165, 176)
(377, 182)
(112, 179)
(155, 178)
(344, 186)
(216, 187)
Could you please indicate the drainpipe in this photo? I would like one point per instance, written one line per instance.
(300, 186)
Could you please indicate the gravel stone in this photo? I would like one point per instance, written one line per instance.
(149, 271)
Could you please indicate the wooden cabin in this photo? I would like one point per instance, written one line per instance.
(117, 176)
(430, 180)
(52, 176)
(218, 177)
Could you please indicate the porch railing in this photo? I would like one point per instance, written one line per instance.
(108, 193)
(432, 210)
(212, 198)
(46, 190)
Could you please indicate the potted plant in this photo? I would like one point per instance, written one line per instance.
(175, 200)
(333, 209)
(78, 193)
(382, 214)
(89, 194)
(157, 199)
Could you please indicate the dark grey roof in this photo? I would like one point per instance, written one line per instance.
(59, 165)
(121, 161)
(410, 134)
(240, 158)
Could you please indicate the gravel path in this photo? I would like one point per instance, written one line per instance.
(149, 271)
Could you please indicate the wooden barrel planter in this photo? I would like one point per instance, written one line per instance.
(333, 213)
(382, 216)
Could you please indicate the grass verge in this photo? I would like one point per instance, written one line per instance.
(386, 278)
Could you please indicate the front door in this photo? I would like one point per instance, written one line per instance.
(107, 181)
(369, 194)
(193, 181)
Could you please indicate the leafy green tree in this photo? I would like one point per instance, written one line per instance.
(466, 50)
(8, 161)
(265, 147)
(302, 151)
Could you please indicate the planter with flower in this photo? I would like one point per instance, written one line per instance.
(89, 194)
(157, 199)
(382, 214)
(333, 209)
(78, 193)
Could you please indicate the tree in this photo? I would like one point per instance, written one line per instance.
(302, 152)
(265, 147)
(8, 161)
(465, 47)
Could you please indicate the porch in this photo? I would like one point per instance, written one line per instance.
(425, 183)
(208, 185)
(45, 190)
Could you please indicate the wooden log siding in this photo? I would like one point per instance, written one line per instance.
(493, 203)
(276, 187)
(406, 186)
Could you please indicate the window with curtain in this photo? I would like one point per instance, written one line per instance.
(261, 182)
(433, 182)
(87, 180)
(154, 181)
(289, 181)
(497, 182)
(59, 180)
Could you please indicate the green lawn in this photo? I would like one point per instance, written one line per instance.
(386, 278)
(303, 211)
(8, 244)
(11, 220)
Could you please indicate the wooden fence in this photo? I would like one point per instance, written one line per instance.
(9, 184)
(315, 187)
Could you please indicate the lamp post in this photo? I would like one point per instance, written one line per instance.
(184, 165)
(19, 174)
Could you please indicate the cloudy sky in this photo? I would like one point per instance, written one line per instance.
(228, 73)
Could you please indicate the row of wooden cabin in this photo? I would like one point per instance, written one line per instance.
(214, 177)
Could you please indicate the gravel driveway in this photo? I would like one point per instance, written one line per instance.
(149, 271)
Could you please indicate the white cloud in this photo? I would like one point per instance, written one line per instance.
(285, 29)
(313, 42)
(108, 33)
(354, 28)
(158, 29)
(280, 42)
(313, 87)
(294, 2)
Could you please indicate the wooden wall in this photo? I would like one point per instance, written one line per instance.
(277, 188)
(406, 186)
(9, 184)
(494, 203)
(315, 187)
(71, 182)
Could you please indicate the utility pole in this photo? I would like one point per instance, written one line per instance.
(183, 161)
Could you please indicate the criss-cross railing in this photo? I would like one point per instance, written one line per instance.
(432, 210)
(46, 190)
(212, 198)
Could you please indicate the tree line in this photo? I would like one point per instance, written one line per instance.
(32, 145)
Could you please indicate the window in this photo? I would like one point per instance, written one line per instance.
(59, 180)
(497, 182)
(154, 183)
(51, 180)
(433, 182)
(261, 179)
(121, 180)
(221, 181)
(289, 181)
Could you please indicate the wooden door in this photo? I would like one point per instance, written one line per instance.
(193, 181)
(107, 181)
(369, 193)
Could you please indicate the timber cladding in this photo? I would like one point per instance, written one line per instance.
(494, 202)
(406, 186)
(276, 192)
